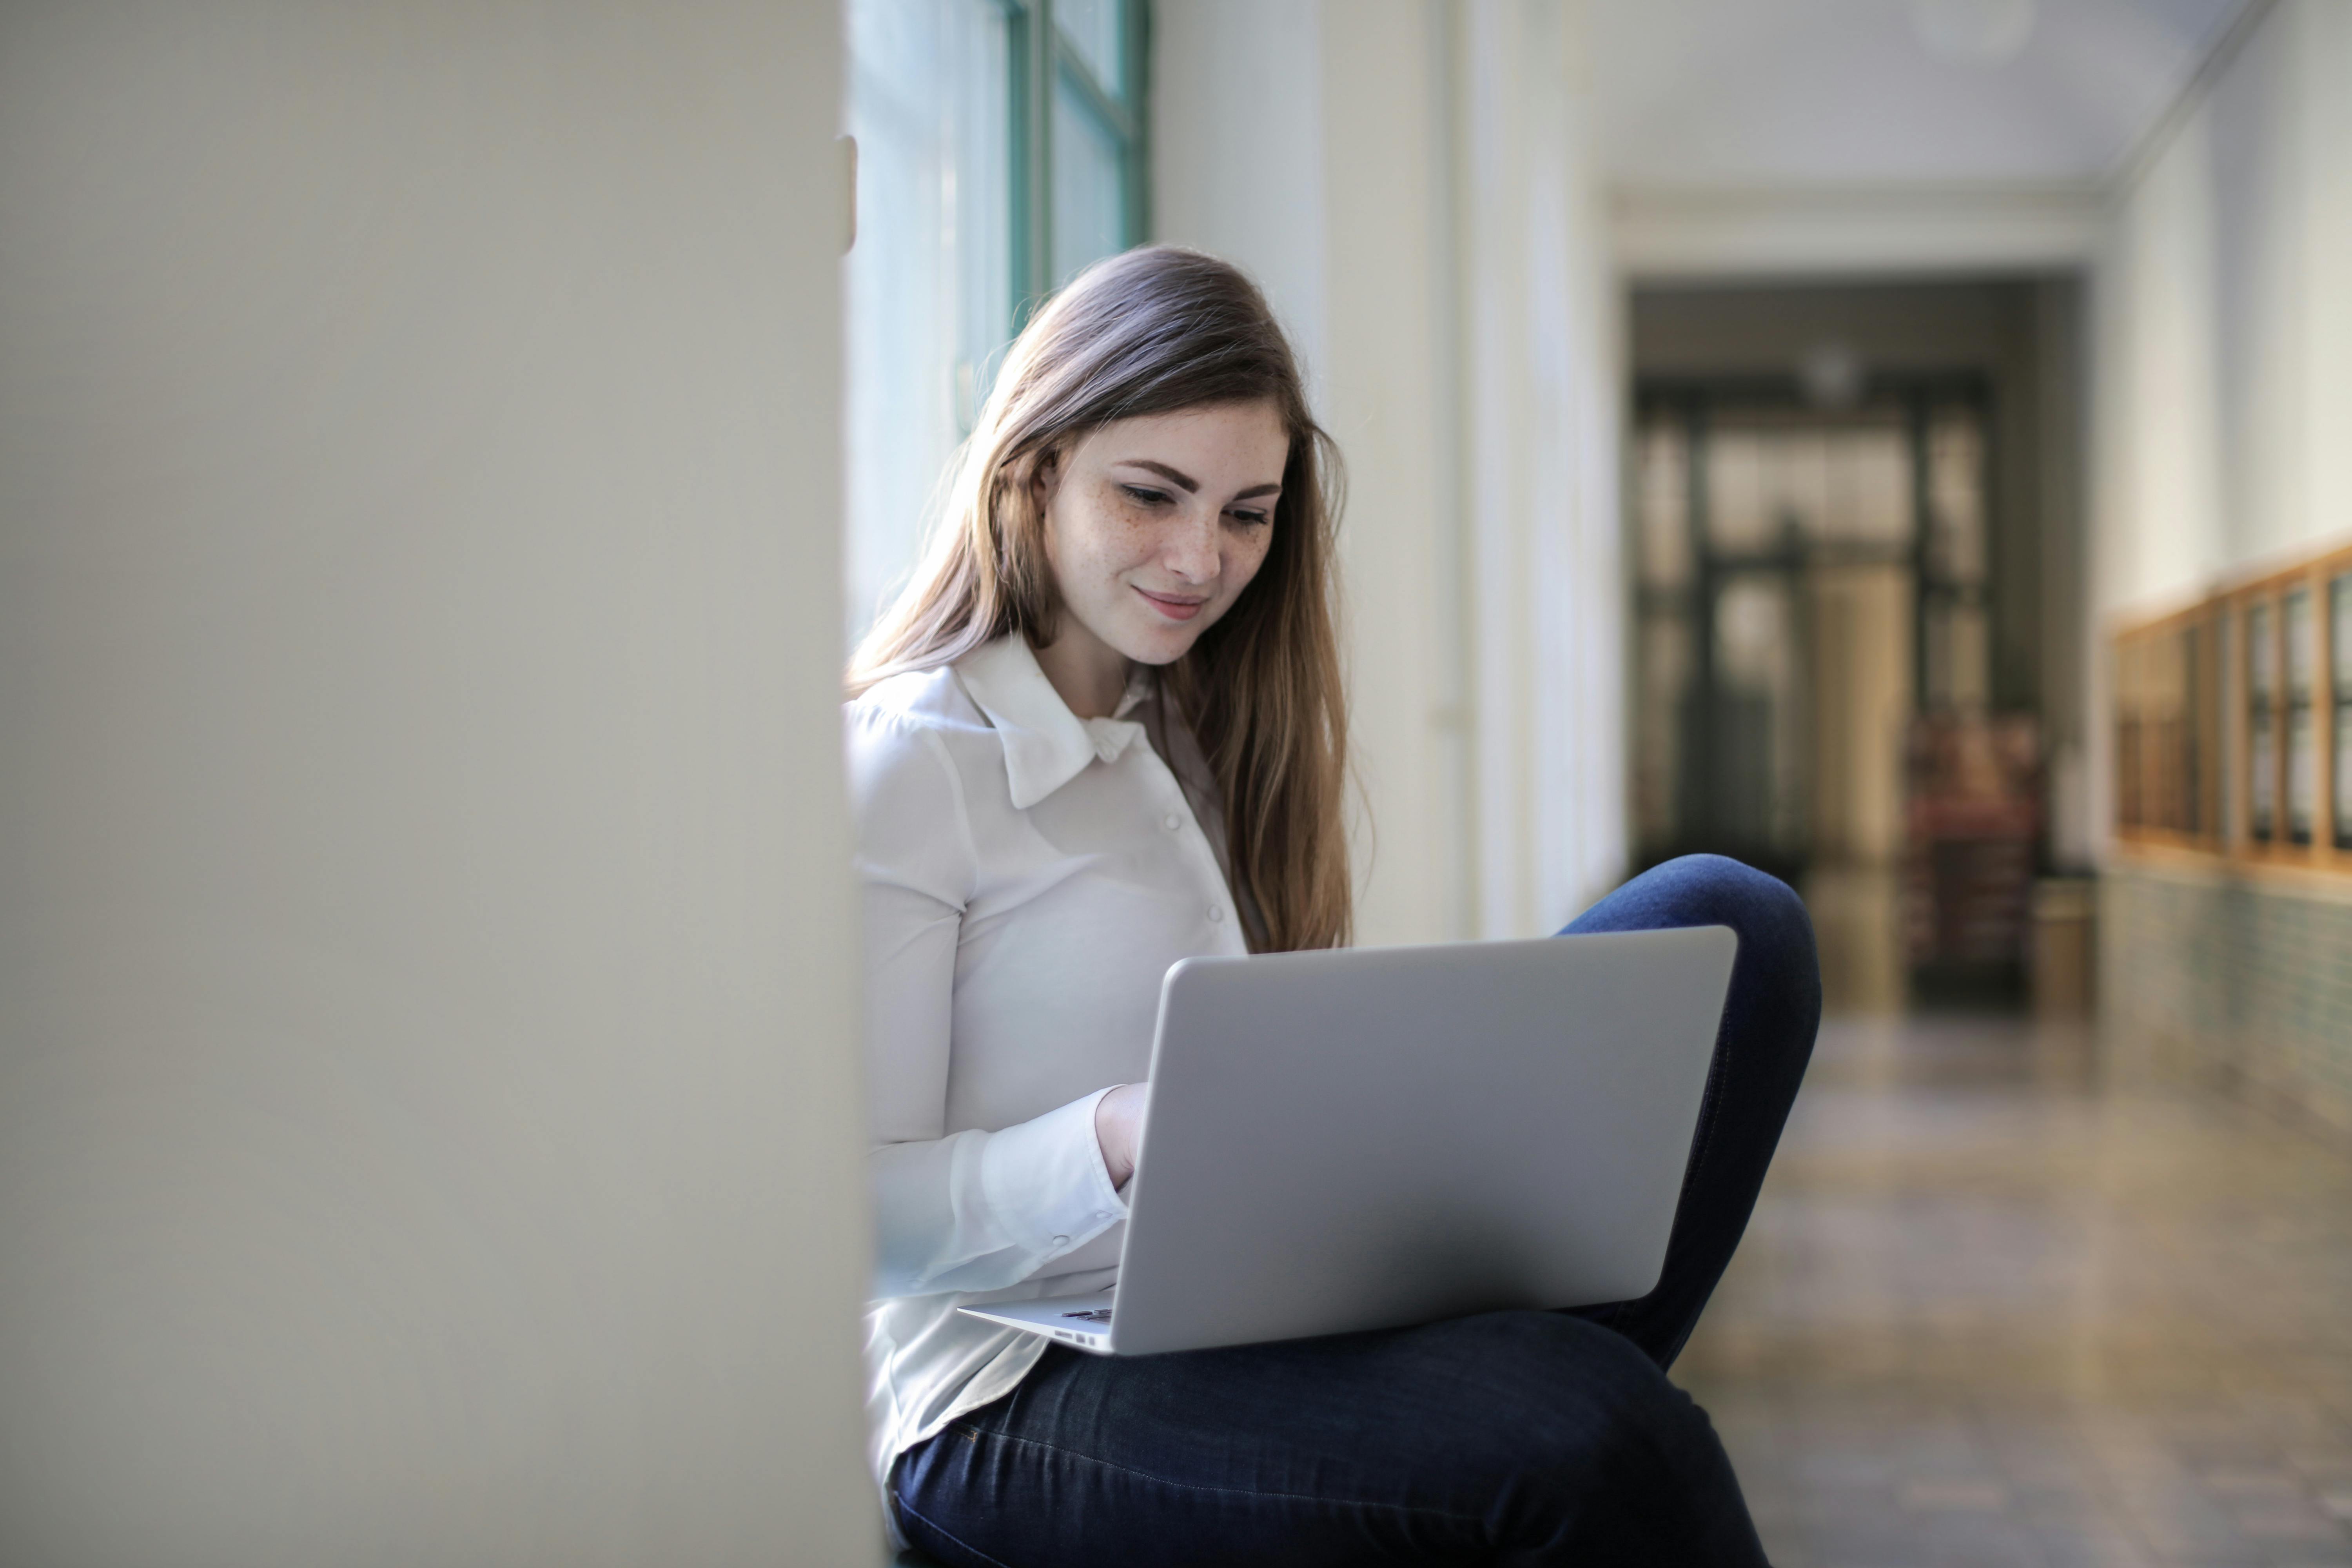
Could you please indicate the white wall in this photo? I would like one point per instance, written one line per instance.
(428, 1122)
(1877, 231)
(1237, 107)
(1433, 224)
(1394, 379)
(2221, 403)
(1539, 409)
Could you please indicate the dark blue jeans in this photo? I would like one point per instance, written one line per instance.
(1520, 1438)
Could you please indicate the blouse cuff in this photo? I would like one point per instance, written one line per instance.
(1044, 1181)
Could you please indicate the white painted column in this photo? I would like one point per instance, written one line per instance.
(1539, 412)
(1389, 404)
(429, 1127)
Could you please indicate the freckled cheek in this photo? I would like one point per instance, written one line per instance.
(1112, 540)
(1137, 534)
(1135, 544)
(1125, 535)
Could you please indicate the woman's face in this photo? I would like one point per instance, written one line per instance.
(1154, 525)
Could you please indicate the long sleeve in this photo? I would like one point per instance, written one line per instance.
(977, 1209)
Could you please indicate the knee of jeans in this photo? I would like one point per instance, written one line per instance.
(1622, 1463)
(1772, 919)
(1567, 1401)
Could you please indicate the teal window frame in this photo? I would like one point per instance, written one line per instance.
(1043, 58)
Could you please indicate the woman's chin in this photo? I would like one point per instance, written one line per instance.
(1160, 644)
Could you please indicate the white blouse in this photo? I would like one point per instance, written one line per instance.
(1028, 877)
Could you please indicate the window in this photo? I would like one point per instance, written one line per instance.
(1808, 581)
(2166, 730)
(978, 194)
(2233, 721)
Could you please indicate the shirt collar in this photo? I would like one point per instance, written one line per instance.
(1045, 744)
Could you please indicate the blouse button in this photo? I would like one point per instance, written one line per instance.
(1216, 911)
(1171, 822)
(1061, 1241)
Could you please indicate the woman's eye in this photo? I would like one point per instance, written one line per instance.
(1146, 495)
(1247, 519)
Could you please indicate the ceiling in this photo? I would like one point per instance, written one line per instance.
(1764, 94)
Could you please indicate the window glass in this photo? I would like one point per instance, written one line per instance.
(1094, 31)
(929, 282)
(2226, 790)
(2339, 593)
(1958, 648)
(2130, 769)
(1665, 678)
(2261, 736)
(1089, 205)
(1869, 485)
(1663, 499)
(2302, 741)
(976, 197)
(1956, 509)
(2181, 756)
(2301, 652)
(1757, 760)
(1740, 503)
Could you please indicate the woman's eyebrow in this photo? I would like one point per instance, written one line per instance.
(1190, 485)
(1176, 476)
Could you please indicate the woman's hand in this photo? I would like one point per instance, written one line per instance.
(1118, 1128)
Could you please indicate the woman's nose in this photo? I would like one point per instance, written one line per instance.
(1190, 550)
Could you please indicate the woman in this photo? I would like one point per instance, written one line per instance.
(1103, 730)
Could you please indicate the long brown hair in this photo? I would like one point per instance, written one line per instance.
(1157, 331)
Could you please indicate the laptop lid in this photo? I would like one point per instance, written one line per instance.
(1372, 1137)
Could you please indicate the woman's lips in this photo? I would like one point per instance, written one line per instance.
(1174, 609)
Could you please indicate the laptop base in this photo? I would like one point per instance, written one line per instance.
(1081, 1321)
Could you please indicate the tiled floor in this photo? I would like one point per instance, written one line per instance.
(1995, 1309)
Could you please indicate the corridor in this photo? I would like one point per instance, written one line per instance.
(1999, 1305)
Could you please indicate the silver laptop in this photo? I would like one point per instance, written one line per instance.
(1374, 1137)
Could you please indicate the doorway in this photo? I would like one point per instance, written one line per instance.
(1813, 574)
